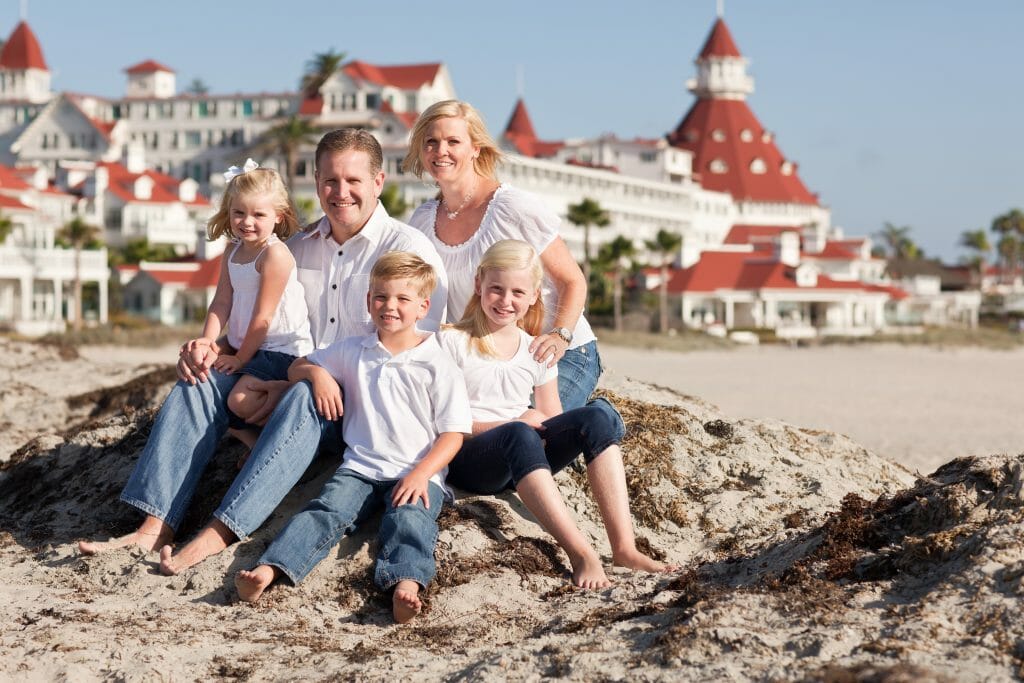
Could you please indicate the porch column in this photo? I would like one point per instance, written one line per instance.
(27, 291)
(57, 302)
(103, 300)
(729, 314)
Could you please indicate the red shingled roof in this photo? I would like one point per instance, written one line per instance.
(11, 180)
(520, 134)
(12, 203)
(745, 271)
(727, 120)
(404, 76)
(311, 106)
(147, 67)
(206, 275)
(719, 42)
(165, 187)
(22, 50)
(748, 234)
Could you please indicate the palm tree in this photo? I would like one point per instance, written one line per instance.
(1010, 227)
(393, 201)
(898, 242)
(666, 246)
(6, 226)
(585, 214)
(319, 69)
(285, 140)
(977, 241)
(197, 87)
(79, 235)
(307, 210)
(613, 255)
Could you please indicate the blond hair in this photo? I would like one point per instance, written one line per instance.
(486, 162)
(259, 181)
(503, 255)
(398, 265)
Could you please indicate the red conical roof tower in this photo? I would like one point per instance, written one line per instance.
(520, 134)
(22, 50)
(732, 151)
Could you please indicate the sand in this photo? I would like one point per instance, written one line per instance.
(917, 406)
(805, 556)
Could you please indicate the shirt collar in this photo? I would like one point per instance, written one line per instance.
(424, 349)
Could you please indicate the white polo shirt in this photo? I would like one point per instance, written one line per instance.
(335, 277)
(498, 389)
(395, 406)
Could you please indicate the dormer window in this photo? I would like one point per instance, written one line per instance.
(718, 166)
(767, 137)
(786, 168)
(758, 166)
(718, 135)
(746, 135)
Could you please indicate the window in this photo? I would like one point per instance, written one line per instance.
(372, 100)
(718, 135)
(648, 157)
(718, 166)
(203, 109)
(786, 168)
(193, 138)
(300, 168)
(116, 113)
(746, 135)
(758, 166)
(246, 107)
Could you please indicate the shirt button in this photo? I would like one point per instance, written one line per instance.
(340, 252)
(332, 320)
(334, 286)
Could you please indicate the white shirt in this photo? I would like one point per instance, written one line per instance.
(289, 329)
(395, 406)
(512, 214)
(499, 390)
(336, 277)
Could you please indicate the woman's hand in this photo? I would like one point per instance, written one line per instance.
(195, 358)
(548, 348)
(409, 489)
(534, 418)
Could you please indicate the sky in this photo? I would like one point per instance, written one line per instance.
(901, 111)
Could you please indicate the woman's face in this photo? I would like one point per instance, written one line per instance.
(448, 152)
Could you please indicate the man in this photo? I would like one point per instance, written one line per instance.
(333, 259)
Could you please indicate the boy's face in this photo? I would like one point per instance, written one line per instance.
(395, 305)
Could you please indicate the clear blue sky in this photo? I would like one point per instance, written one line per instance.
(906, 111)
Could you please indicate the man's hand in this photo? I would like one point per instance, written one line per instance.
(274, 389)
(411, 488)
(533, 417)
(195, 358)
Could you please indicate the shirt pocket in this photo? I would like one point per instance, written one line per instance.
(354, 298)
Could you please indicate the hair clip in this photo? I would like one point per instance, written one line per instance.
(235, 171)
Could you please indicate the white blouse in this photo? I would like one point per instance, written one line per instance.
(498, 389)
(511, 214)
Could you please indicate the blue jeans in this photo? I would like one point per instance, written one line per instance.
(185, 436)
(578, 372)
(406, 539)
(286, 446)
(499, 458)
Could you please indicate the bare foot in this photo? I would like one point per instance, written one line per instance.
(210, 540)
(634, 559)
(152, 534)
(251, 584)
(405, 602)
(588, 573)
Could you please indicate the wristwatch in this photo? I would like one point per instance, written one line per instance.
(565, 334)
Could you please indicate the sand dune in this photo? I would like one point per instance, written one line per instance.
(806, 557)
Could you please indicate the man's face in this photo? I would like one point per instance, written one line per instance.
(347, 189)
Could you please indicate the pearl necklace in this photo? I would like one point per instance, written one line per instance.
(452, 215)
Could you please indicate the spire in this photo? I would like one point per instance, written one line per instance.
(22, 50)
(519, 124)
(721, 69)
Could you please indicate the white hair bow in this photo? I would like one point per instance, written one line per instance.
(235, 171)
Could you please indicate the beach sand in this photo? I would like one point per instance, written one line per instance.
(917, 406)
(804, 555)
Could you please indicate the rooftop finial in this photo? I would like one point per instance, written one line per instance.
(720, 8)
(520, 81)
(24, 10)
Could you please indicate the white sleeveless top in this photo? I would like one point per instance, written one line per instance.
(512, 214)
(289, 330)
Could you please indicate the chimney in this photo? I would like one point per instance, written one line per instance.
(143, 187)
(787, 248)
(135, 157)
(689, 254)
